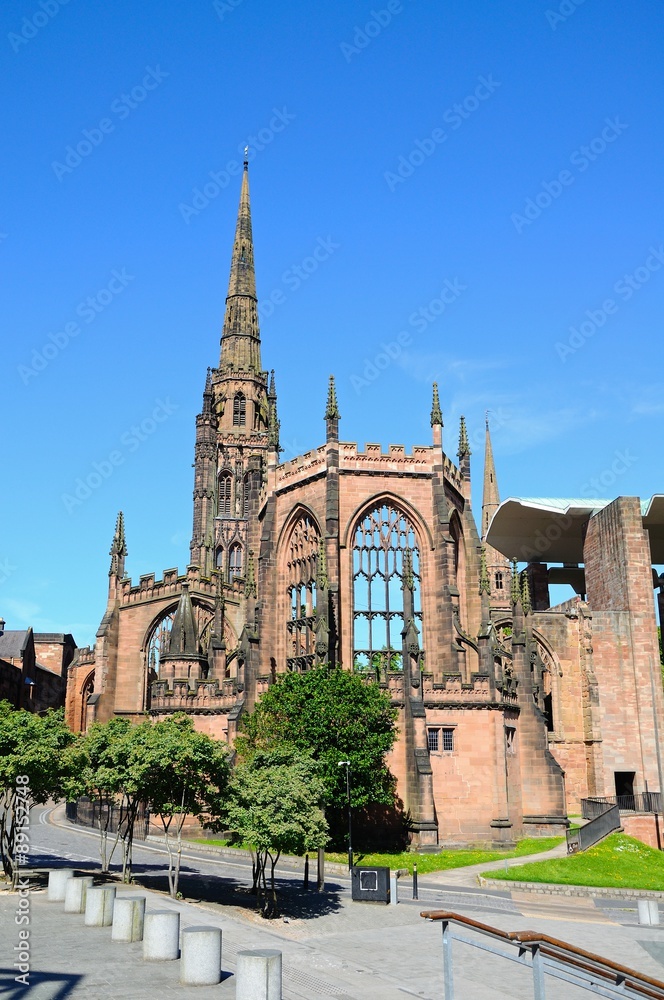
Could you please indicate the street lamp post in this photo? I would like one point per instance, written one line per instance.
(346, 764)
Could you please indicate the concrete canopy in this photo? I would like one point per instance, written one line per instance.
(552, 529)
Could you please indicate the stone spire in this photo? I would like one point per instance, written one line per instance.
(118, 548)
(526, 602)
(485, 586)
(516, 590)
(183, 640)
(436, 412)
(490, 495)
(332, 415)
(240, 338)
(464, 447)
(332, 408)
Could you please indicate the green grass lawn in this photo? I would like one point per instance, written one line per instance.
(617, 862)
(431, 862)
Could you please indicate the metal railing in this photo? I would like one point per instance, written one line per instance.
(603, 823)
(544, 956)
(649, 802)
(88, 812)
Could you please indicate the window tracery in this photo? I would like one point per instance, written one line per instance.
(381, 538)
(302, 568)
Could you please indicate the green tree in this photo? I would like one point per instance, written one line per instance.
(33, 769)
(331, 715)
(189, 774)
(275, 806)
(110, 766)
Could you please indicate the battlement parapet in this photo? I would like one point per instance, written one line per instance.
(149, 589)
(194, 696)
(84, 655)
(302, 466)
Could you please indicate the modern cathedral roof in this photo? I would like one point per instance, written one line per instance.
(553, 528)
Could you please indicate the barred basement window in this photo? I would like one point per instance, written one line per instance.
(239, 410)
(224, 495)
(440, 738)
(448, 739)
(433, 739)
(381, 538)
(499, 581)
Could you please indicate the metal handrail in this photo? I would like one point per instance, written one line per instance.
(545, 955)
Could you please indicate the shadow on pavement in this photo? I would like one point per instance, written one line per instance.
(61, 985)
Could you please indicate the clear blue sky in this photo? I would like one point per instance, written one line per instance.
(529, 146)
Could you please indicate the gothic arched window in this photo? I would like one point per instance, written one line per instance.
(235, 561)
(381, 538)
(239, 410)
(302, 568)
(224, 495)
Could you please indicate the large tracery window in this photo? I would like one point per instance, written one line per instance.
(302, 568)
(224, 495)
(159, 638)
(381, 539)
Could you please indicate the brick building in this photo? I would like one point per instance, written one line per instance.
(372, 560)
(33, 667)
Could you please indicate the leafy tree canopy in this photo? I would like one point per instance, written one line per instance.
(330, 715)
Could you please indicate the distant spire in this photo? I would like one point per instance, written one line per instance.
(118, 548)
(464, 447)
(240, 338)
(332, 409)
(436, 412)
(274, 426)
(207, 392)
(526, 602)
(485, 586)
(183, 640)
(321, 575)
(250, 580)
(516, 590)
(407, 577)
(490, 495)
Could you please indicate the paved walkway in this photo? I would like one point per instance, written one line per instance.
(349, 951)
(468, 875)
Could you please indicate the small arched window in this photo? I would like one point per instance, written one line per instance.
(499, 581)
(224, 495)
(239, 410)
(219, 559)
(235, 561)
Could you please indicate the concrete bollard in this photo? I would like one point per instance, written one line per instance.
(648, 912)
(128, 917)
(76, 890)
(99, 903)
(57, 880)
(200, 964)
(161, 935)
(258, 975)
(394, 889)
